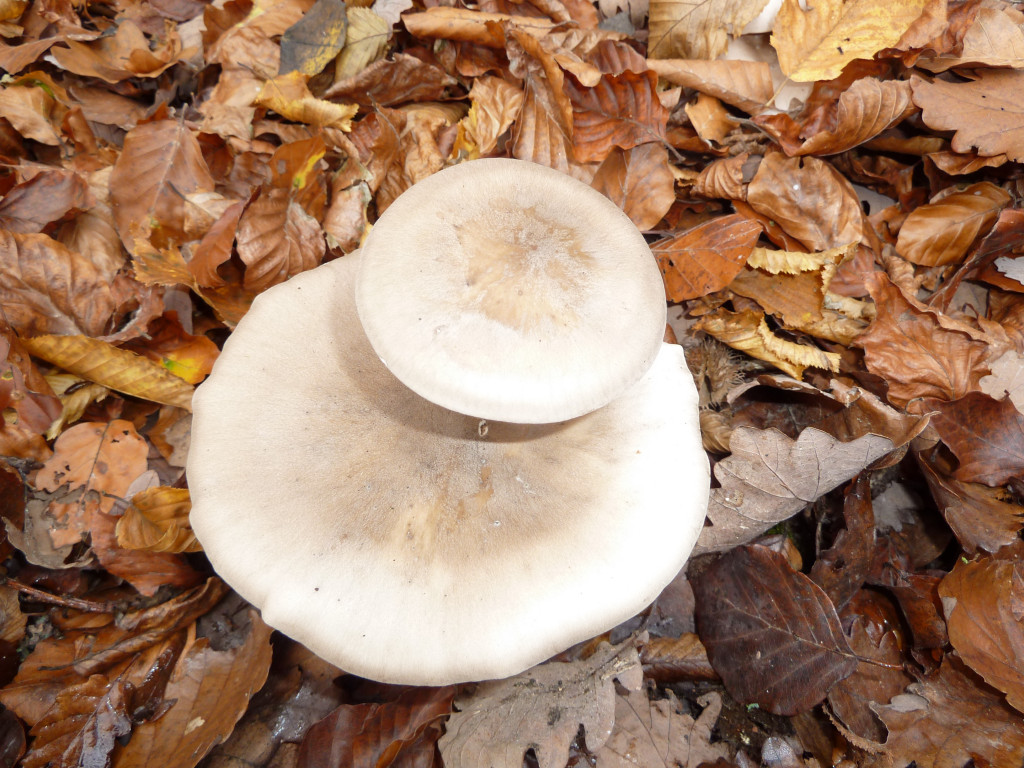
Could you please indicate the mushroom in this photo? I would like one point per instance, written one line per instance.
(409, 543)
(507, 290)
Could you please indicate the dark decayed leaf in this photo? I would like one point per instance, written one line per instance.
(402, 732)
(771, 633)
(842, 569)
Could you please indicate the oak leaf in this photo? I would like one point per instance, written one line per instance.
(771, 633)
(986, 112)
(941, 232)
(656, 733)
(541, 709)
(995, 39)
(815, 44)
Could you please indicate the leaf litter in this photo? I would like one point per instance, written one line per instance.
(844, 276)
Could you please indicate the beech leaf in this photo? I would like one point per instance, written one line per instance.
(987, 436)
(771, 633)
(706, 258)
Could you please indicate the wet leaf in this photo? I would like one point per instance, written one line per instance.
(112, 367)
(540, 709)
(706, 258)
(982, 601)
(771, 633)
(376, 734)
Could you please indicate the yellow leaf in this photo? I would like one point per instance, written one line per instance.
(112, 367)
(289, 97)
(794, 262)
(748, 332)
(157, 521)
(366, 42)
(75, 396)
(817, 43)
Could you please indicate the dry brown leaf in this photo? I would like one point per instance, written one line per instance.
(45, 288)
(655, 733)
(24, 391)
(815, 44)
(995, 39)
(919, 352)
(986, 436)
(947, 719)
(494, 105)
(723, 178)
(770, 477)
(863, 111)
(697, 29)
(986, 112)
(709, 118)
(161, 163)
(639, 181)
(211, 685)
(127, 53)
(942, 231)
(277, 239)
(35, 106)
(157, 521)
(747, 331)
(45, 198)
(746, 85)
(112, 367)
(398, 79)
(540, 709)
(809, 198)
(706, 258)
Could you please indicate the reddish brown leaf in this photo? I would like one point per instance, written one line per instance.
(398, 79)
(948, 719)
(706, 258)
(918, 596)
(676, 659)
(379, 734)
(842, 569)
(981, 517)
(620, 111)
(984, 601)
(771, 633)
(987, 436)
(919, 352)
(23, 388)
(277, 239)
(45, 198)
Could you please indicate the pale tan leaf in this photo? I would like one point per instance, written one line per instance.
(114, 368)
(942, 231)
(365, 41)
(746, 85)
(817, 43)
(502, 719)
(697, 29)
(494, 105)
(157, 521)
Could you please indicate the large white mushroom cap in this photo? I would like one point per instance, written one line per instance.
(509, 291)
(408, 543)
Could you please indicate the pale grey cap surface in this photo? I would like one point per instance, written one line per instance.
(506, 290)
(411, 544)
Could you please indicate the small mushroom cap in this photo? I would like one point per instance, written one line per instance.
(411, 544)
(509, 291)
